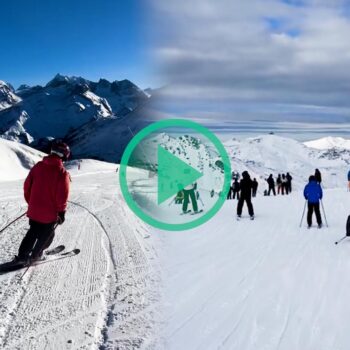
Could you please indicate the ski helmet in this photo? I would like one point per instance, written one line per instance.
(60, 148)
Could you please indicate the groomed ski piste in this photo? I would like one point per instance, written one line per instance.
(263, 284)
(240, 285)
(107, 297)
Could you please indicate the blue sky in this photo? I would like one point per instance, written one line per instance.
(90, 38)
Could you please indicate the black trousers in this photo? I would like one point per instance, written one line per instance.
(271, 188)
(249, 205)
(234, 194)
(311, 208)
(38, 238)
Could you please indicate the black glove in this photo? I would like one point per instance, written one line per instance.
(61, 218)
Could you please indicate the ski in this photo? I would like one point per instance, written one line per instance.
(11, 266)
(185, 212)
(197, 212)
(238, 218)
(55, 250)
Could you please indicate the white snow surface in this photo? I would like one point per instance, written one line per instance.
(262, 284)
(107, 297)
(16, 160)
(329, 142)
(228, 284)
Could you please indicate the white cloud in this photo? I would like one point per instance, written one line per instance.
(258, 51)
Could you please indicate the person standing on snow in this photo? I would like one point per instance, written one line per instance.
(279, 184)
(318, 176)
(189, 193)
(235, 189)
(284, 184)
(246, 186)
(349, 180)
(46, 191)
(313, 194)
(271, 183)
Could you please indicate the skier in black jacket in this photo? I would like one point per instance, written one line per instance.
(271, 183)
(246, 186)
(318, 176)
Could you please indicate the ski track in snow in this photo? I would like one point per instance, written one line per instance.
(263, 284)
(104, 298)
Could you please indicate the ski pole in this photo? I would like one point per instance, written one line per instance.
(324, 213)
(172, 202)
(302, 217)
(30, 263)
(340, 240)
(12, 222)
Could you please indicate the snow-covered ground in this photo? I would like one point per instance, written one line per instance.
(107, 297)
(263, 284)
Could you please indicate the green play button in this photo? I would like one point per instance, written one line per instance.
(160, 164)
(173, 175)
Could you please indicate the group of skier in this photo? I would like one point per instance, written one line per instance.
(283, 182)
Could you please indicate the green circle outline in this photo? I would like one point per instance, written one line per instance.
(161, 125)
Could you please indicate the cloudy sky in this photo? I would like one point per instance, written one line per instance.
(258, 59)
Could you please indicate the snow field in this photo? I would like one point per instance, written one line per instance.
(106, 297)
(263, 284)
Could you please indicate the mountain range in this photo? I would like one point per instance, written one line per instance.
(97, 119)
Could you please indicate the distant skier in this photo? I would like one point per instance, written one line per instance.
(246, 186)
(189, 193)
(235, 189)
(46, 191)
(229, 194)
(289, 182)
(313, 194)
(255, 187)
(349, 180)
(271, 183)
(284, 184)
(318, 176)
(279, 184)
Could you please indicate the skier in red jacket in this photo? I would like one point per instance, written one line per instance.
(46, 191)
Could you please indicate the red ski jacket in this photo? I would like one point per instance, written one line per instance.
(46, 190)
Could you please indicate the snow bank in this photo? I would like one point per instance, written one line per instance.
(16, 160)
(329, 143)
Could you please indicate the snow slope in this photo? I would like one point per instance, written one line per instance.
(63, 105)
(329, 143)
(271, 154)
(107, 297)
(263, 284)
(16, 160)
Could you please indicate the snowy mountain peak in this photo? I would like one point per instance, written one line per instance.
(7, 96)
(63, 106)
(329, 142)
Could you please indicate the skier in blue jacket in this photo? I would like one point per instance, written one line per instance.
(313, 194)
(349, 180)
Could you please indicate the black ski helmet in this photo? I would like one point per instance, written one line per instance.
(60, 148)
